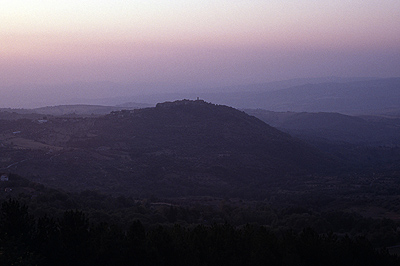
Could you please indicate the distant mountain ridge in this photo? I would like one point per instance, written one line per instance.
(361, 97)
(334, 127)
(347, 96)
(238, 96)
(108, 93)
(76, 109)
(81, 109)
(285, 84)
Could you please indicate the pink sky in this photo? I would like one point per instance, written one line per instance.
(196, 43)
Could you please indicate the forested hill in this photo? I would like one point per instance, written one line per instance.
(176, 148)
(201, 129)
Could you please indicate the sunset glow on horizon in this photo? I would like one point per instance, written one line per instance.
(208, 43)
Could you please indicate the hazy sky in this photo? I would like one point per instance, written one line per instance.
(196, 43)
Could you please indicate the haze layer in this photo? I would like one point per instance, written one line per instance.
(196, 43)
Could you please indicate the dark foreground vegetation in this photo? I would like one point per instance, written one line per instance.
(43, 226)
(74, 240)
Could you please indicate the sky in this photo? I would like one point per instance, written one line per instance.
(194, 44)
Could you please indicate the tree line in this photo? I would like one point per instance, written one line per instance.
(73, 239)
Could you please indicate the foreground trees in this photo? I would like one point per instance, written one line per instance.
(72, 240)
